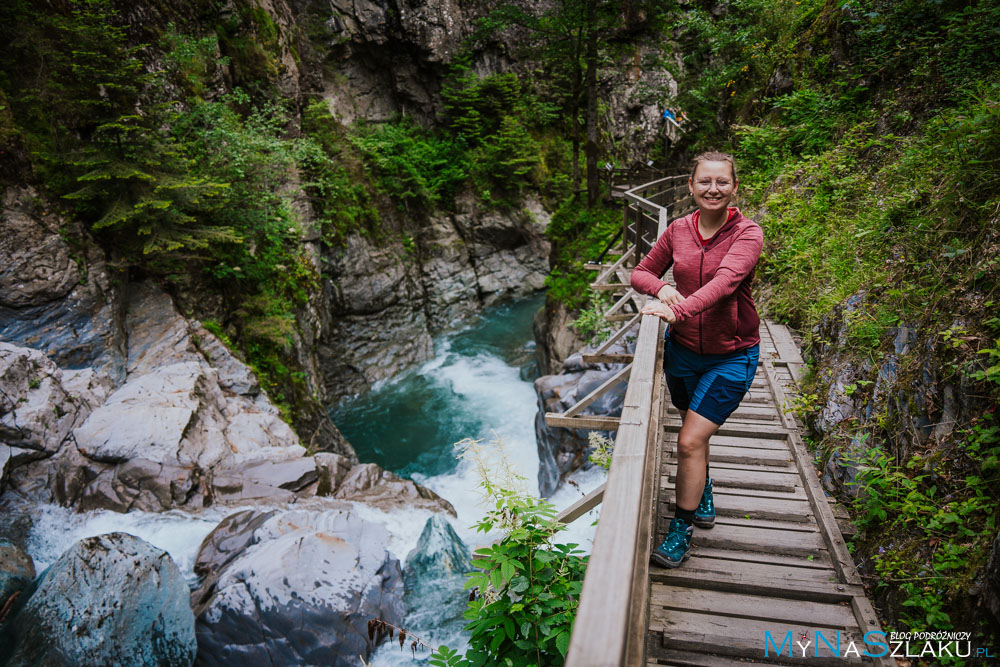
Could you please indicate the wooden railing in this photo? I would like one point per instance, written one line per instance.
(610, 627)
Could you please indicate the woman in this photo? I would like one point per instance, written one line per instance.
(713, 344)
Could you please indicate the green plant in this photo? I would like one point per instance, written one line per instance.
(603, 449)
(590, 323)
(527, 587)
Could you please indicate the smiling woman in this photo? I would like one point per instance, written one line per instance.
(712, 350)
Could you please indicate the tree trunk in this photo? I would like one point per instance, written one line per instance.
(590, 82)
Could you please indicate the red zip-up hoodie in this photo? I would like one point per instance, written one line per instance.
(718, 314)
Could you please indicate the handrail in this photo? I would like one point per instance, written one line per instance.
(610, 626)
(601, 632)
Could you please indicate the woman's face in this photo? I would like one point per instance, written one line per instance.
(713, 186)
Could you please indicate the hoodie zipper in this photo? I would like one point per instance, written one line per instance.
(701, 316)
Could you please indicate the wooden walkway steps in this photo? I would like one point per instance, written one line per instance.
(773, 573)
(775, 561)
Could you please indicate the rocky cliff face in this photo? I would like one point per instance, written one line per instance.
(375, 60)
(384, 303)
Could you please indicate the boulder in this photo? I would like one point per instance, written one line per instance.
(371, 484)
(435, 578)
(17, 571)
(37, 411)
(295, 587)
(56, 292)
(563, 450)
(109, 600)
(439, 552)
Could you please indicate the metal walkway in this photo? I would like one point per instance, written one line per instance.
(772, 582)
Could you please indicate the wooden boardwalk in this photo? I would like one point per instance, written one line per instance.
(772, 582)
(775, 561)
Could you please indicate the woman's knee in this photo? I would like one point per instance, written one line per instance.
(689, 445)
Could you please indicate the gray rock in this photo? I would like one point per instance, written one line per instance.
(17, 571)
(37, 263)
(111, 599)
(299, 591)
(55, 297)
(378, 325)
(563, 450)
(374, 486)
(439, 551)
(36, 411)
(233, 374)
(435, 578)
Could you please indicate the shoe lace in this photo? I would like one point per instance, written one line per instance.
(707, 504)
(676, 537)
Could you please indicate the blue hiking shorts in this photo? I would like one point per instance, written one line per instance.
(710, 384)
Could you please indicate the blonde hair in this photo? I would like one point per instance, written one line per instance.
(713, 156)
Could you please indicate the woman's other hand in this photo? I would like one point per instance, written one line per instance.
(669, 295)
(659, 309)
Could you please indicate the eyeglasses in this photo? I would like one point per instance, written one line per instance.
(706, 184)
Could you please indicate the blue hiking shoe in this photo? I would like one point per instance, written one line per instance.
(704, 516)
(676, 547)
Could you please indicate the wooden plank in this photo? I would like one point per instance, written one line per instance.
(783, 468)
(808, 524)
(603, 277)
(608, 358)
(756, 607)
(585, 422)
(754, 507)
(739, 430)
(620, 317)
(617, 305)
(789, 575)
(795, 494)
(753, 583)
(601, 630)
(771, 540)
(772, 457)
(582, 506)
(744, 415)
(678, 658)
(621, 375)
(741, 441)
(821, 562)
(783, 342)
(622, 330)
(638, 624)
(744, 479)
(750, 410)
(693, 631)
(609, 287)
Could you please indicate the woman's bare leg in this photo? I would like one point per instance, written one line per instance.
(692, 458)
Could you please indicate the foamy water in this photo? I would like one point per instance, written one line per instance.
(473, 391)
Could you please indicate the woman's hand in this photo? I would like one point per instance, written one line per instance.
(659, 309)
(669, 295)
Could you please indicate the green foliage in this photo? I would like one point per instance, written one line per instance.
(192, 61)
(578, 236)
(413, 166)
(337, 183)
(603, 449)
(935, 530)
(590, 323)
(528, 587)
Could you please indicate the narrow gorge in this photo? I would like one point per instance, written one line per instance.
(264, 262)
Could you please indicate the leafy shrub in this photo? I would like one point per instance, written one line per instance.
(413, 166)
(527, 588)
